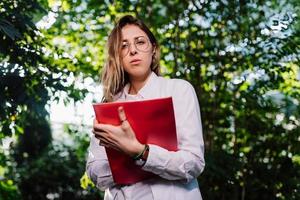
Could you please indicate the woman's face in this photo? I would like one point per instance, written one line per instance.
(136, 52)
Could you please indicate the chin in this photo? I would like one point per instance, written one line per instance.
(138, 72)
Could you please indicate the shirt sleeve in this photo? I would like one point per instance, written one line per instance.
(97, 166)
(188, 162)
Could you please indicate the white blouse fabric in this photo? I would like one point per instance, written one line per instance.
(177, 171)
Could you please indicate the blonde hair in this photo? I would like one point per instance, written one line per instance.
(113, 76)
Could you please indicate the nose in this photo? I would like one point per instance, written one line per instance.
(132, 49)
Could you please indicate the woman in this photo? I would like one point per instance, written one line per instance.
(132, 73)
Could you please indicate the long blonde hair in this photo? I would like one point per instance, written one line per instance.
(113, 76)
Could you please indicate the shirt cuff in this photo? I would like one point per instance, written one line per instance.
(157, 159)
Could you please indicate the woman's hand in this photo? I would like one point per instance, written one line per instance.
(121, 138)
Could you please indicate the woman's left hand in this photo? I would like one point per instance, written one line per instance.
(121, 138)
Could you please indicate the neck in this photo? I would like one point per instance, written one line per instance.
(137, 83)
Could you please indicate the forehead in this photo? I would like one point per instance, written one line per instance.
(129, 32)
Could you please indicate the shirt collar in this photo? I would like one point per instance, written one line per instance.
(146, 91)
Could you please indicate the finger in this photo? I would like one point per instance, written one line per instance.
(106, 137)
(109, 145)
(96, 129)
(124, 122)
(103, 139)
(122, 114)
(107, 141)
(113, 146)
(96, 121)
(100, 133)
(98, 137)
(102, 127)
(103, 143)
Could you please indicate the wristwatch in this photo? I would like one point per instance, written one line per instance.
(141, 160)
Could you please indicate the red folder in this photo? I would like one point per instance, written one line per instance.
(153, 123)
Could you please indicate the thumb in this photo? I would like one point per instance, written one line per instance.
(122, 114)
(124, 123)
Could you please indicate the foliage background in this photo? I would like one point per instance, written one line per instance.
(241, 56)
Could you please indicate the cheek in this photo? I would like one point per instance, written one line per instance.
(148, 58)
(125, 63)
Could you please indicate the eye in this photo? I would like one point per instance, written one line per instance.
(124, 45)
(140, 40)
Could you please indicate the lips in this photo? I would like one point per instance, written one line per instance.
(135, 61)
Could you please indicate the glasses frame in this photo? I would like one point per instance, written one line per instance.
(135, 46)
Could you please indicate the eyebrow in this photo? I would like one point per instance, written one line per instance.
(125, 40)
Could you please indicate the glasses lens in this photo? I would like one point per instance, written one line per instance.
(124, 49)
(142, 44)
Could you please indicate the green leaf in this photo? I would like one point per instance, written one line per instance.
(9, 29)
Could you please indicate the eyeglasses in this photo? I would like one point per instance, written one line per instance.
(141, 44)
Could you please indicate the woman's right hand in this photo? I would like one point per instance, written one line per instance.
(121, 138)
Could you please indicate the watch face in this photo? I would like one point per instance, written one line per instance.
(140, 162)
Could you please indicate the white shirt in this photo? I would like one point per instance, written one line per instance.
(178, 171)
